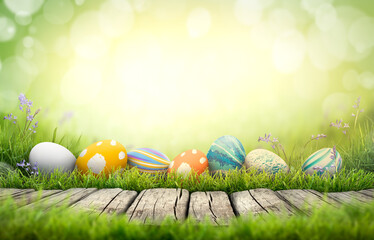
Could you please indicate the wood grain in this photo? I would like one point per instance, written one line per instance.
(154, 205)
(121, 202)
(214, 205)
(32, 196)
(302, 200)
(97, 201)
(243, 204)
(271, 202)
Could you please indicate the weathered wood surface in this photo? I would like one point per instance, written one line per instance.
(121, 202)
(67, 197)
(350, 197)
(96, 202)
(271, 201)
(29, 197)
(243, 204)
(325, 197)
(215, 205)
(302, 200)
(156, 204)
(368, 192)
(13, 192)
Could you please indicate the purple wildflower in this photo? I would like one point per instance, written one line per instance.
(11, 117)
(320, 170)
(21, 164)
(337, 124)
(265, 139)
(333, 154)
(319, 136)
(30, 118)
(22, 99)
(274, 143)
(32, 169)
(357, 105)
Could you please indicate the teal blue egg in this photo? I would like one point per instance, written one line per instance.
(226, 153)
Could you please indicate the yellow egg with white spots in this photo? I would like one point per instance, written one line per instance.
(102, 157)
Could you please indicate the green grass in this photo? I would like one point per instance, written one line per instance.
(357, 151)
(326, 222)
(234, 181)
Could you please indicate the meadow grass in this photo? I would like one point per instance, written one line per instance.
(356, 149)
(326, 222)
(233, 181)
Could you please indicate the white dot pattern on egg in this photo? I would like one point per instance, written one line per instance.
(99, 143)
(83, 153)
(96, 163)
(194, 151)
(121, 155)
(202, 160)
(184, 153)
(184, 168)
(171, 164)
(113, 143)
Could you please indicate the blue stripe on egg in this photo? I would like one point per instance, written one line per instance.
(316, 158)
(322, 160)
(148, 160)
(226, 153)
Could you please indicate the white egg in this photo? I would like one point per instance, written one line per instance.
(48, 156)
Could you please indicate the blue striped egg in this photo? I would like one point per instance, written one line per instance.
(324, 160)
(148, 160)
(224, 154)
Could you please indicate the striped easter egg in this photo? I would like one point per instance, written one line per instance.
(224, 154)
(148, 160)
(324, 160)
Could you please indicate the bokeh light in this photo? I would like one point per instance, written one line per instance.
(7, 29)
(174, 75)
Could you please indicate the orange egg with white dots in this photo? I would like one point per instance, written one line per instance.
(191, 160)
(102, 156)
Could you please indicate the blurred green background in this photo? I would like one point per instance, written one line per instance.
(175, 75)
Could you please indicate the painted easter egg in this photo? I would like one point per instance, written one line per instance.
(148, 160)
(224, 154)
(265, 161)
(191, 160)
(324, 160)
(49, 156)
(104, 156)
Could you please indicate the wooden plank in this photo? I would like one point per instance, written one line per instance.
(243, 204)
(76, 197)
(13, 192)
(215, 205)
(155, 205)
(121, 202)
(302, 200)
(350, 197)
(368, 192)
(57, 199)
(96, 202)
(4, 192)
(33, 196)
(324, 197)
(271, 202)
